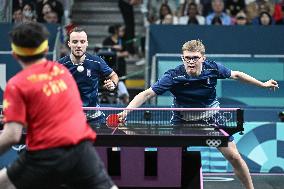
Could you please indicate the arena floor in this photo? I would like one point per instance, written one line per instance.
(229, 181)
(261, 181)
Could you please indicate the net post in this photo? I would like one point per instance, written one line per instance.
(240, 120)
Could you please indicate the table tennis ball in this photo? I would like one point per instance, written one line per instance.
(80, 68)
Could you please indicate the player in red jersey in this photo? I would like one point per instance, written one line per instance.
(43, 98)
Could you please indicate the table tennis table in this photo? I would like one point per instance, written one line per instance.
(128, 154)
(152, 127)
(133, 164)
(160, 136)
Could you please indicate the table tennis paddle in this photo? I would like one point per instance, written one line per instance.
(112, 121)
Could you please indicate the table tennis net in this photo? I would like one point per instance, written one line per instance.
(230, 119)
(193, 117)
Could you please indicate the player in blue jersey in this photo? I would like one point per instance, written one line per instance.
(193, 85)
(88, 70)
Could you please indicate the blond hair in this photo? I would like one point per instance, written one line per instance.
(194, 46)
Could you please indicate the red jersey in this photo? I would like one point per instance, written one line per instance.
(45, 99)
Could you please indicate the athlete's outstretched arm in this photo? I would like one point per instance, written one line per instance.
(138, 100)
(11, 134)
(237, 75)
(141, 98)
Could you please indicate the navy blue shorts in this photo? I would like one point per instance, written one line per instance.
(210, 122)
(76, 167)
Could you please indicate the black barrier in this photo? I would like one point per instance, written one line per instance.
(5, 28)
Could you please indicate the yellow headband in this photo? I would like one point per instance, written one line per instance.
(25, 51)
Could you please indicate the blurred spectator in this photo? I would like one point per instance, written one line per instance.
(251, 10)
(29, 14)
(206, 7)
(17, 16)
(163, 12)
(45, 6)
(192, 16)
(234, 6)
(264, 19)
(114, 40)
(279, 12)
(266, 5)
(169, 19)
(51, 17)
(126, 9)
(249, 1)
(254, 8)
(154, 9)
(58, 8)
(117, 43)
(184, 5)
(218, 10)
(241, 19)
(20, 3)
(4, 10)
(216, 21)
(281, 21)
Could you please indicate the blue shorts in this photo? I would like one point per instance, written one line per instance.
(210, 122)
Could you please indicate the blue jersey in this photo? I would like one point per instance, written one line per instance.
(192, 91)
(88, 80)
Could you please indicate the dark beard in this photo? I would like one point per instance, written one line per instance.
(77, 57)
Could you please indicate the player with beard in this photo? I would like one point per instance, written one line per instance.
(87, 70)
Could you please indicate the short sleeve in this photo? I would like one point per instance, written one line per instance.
(106, 70)
(224, 72)
(63, 60)
(14, 108)
(164, 84)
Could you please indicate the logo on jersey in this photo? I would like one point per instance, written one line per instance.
(88, 72)
(6, 104)
(180, 76)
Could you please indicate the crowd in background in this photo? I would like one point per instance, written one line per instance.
(182, 12)
(44, 11)
(215, 12)
(199, 12)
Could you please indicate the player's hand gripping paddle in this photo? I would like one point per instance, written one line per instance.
(112, 121)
